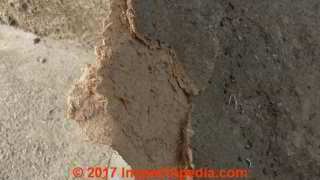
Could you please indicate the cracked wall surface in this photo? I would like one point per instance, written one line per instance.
(254, 65)
(249, 69)
(135, 98)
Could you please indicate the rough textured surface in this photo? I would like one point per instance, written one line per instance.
(188, 28)
(257, 107)
(135, 98)
(66, 19)
(36, 140)
(261, 99)
(255, 62)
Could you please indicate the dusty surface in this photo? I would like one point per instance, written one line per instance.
(61, 19)
(134, 98)
(255, 62)
(262, 100)
(36, 140)
(259, 103)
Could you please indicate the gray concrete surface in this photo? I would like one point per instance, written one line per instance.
(60, 19)
(37, 142)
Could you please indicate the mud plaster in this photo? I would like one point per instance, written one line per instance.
(136, 98)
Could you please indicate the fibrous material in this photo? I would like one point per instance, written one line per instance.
(136, 97)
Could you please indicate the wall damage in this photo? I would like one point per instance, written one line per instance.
(136, 98)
